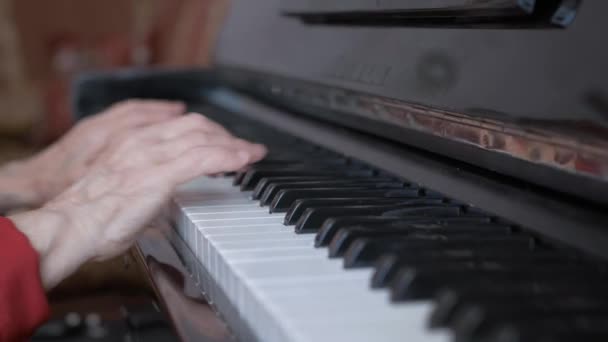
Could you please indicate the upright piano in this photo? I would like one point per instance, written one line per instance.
(438, 171)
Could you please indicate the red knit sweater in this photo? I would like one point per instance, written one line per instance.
(23, 303)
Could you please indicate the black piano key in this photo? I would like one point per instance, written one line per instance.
(456, 291)
(434, 194)
(299, 207)
(551, 333)
(387, 265)
(440, 220)
(363, 253)
(289, 157)
(266, 163)
(451, 300)
(425, 207)
(480, 316)
(386, 268)
(292, 159)
(447, 303)
(423, 282)
(304, 162)
(238, 177)
(264, 182)
(392, 238)
(369, 183)
(300, 162)
(331, 226)
(313, 218)
(253, 176)
(286, 198)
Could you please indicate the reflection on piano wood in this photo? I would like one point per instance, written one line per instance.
(309, 245)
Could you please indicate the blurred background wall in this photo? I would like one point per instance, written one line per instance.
(45, 44)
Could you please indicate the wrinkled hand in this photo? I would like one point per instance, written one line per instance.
(103, 213)
(57, 167)
(131, 181)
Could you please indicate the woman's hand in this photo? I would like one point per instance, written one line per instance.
(38, 179)
(101, 215)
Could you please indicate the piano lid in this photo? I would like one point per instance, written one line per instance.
(473, 80)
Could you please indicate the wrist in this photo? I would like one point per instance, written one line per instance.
(53, 235)
(19, 187)
(35, 180)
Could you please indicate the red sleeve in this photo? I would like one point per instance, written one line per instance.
(23, 303)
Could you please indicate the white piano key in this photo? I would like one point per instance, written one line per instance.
(282, 286)
(212, 199)
(228, 209)
(254, 238)
(238, 221)
(193, 206)
(228, 216)
(276, 228)
(208, 228)
(347, 302)
(293, 255)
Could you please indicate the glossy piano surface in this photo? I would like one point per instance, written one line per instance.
(521, 100)
(506, 72)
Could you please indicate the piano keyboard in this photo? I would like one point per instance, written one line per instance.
(280, 284)
(312, 246)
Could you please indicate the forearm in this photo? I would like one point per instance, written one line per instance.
(60, 249)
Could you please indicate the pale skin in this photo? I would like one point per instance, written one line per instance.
(123, 180)
(33, 181)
